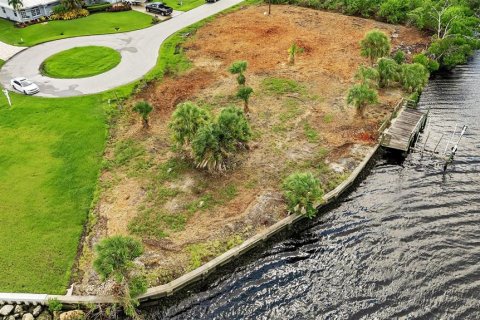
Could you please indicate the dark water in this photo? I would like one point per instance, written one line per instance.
(404, 244)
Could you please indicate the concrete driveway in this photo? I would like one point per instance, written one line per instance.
(139, 50)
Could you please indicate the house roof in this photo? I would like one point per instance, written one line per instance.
(27, 3)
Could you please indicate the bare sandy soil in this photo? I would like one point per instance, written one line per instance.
(185, 216)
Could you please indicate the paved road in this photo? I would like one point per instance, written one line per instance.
(7, 51)
(139, 50)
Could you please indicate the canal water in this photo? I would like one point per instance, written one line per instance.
(404, 244)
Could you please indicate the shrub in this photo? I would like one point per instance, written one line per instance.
(428, 63)
(452, 51)
(399, 57)
(395, 11)
(99, 7)
(59, 9)
(119, 6)
(156, 20)
(143, 108)
(388, 71)
(115, 257)
(301, 191)
(233, 128)
(414, 77)
(70, 15)
(54, 305)
(375, 45)
(368, 76)
(214, 143)
(292, 53)
(186, 121)
(360, 95)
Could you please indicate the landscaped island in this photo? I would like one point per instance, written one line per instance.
(154, 190)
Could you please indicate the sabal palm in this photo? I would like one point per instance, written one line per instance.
(16, 4)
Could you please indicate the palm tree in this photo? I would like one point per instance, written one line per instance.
(239, 67)
(292, 52)
(143, 108)
(244, 94)
(72, 4)
(16, 5)
(360, 95)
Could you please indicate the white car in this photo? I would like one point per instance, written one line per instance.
(24, 85)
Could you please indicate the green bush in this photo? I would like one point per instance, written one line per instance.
(99, 7)
(428, 63)
(238, 68)
(399, 57)
(215, 142)
(54, 305)
(301, 191)
(452, 51)
(414, 77)
(388, 71)
(143, 108)
(186, 121)
(375, 45)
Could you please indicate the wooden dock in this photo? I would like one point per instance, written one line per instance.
(403, 129)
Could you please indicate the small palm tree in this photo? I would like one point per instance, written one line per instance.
(292, 52)
(244, 94)
(375, 45)
(143, 108)
(360, 95)
(16, 5)
(239, 67)
(72, 4)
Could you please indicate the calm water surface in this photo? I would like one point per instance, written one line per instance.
(405, 244)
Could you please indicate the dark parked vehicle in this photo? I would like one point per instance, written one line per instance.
(160, 8)
(211, 1)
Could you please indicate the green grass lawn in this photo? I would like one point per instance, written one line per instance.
(98, 23)
(186, 4)
(1, 63)
(81, 62)
(50, 156)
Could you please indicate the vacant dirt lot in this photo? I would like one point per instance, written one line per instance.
(298, 116)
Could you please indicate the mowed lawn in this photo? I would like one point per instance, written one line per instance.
(81, 62)
(184, 5)
(50, 156)
(97, 23)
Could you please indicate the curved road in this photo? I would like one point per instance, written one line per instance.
(139, 50)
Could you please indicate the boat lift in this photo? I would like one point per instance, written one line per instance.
(448, 155)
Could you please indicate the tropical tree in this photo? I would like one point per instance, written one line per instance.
(214, 143)
(368, 76)
(186, 120)
(115, 256)
(244, 94)
(375, 45)
(238, 68)
(414, 77)
(143, 108)
(388, 71)
(360, 95)
(72, 4)
(301, 191)
(15, 4)
(233, 128)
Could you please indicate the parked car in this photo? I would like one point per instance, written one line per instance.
(24, 85)
(211, 1)
(160, 8)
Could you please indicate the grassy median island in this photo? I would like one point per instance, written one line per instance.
(183, 5)
(152, 190)
(98, 23)
(81, 62)
(50, 156)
